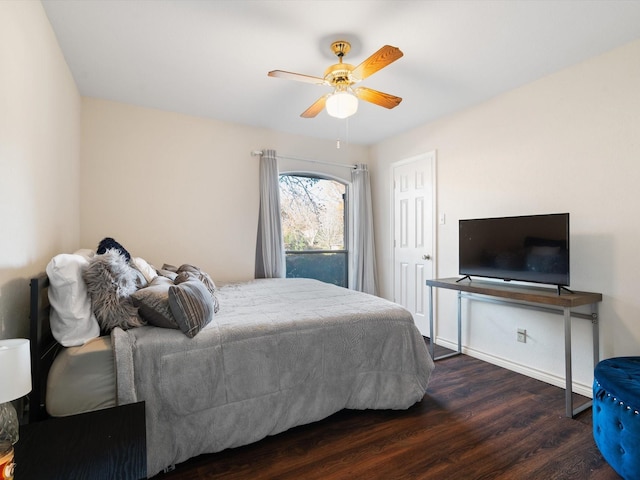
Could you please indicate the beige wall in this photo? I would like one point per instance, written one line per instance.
(179, 189)
(39, 156)
(568, 142)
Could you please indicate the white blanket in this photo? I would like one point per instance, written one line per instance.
(279, 353)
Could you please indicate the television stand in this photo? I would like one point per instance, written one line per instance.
(536, 298)
(561, 288)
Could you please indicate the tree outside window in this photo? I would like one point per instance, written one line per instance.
(313, 225)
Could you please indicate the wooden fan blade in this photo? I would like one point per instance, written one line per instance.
(316, 108)
(379, 98)
(377, 61)
(297, 77)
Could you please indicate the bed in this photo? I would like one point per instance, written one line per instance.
(277, 353)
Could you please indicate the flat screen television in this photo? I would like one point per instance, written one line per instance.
(528, 248)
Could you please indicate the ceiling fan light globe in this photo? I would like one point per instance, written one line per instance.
(342, 104)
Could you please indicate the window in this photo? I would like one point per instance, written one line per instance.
(313, 225)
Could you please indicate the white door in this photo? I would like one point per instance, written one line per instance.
(414, 232)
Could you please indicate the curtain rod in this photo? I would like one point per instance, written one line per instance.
(257, 153)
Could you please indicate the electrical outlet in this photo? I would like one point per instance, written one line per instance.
(522, 335)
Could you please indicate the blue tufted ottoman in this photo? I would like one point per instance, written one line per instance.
(616, 414)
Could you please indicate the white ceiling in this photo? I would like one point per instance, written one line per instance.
(211, 58)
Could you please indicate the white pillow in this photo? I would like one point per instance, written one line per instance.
(72, 320)
(147, 270)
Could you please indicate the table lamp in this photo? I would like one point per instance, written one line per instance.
(15, 382)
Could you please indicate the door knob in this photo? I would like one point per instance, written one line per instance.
(426, 257)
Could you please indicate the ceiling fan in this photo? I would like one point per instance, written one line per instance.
(343, 102)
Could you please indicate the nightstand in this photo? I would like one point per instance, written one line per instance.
(104, 444)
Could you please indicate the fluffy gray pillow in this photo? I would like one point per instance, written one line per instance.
(153, 303)
(110, 282)
(191, 305)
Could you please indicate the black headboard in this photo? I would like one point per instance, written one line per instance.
(43, 346)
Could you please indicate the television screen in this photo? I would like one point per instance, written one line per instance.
(530, 248)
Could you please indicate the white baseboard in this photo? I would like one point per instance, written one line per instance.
(579, 388)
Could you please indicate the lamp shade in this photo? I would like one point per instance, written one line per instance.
(342, 104)
(15, 369)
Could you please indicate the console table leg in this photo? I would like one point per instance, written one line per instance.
(459, 322)
(432, 340)
(567, 363)
(432, 343)
(596, 334)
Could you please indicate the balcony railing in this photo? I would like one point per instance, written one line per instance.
(329, 266)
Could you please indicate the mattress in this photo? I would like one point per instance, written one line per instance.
(82, 379)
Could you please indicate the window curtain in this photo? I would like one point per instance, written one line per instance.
(270, 256)
(362, 261)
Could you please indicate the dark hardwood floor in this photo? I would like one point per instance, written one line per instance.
(476, 421)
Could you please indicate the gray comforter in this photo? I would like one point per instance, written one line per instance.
(279, 353)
